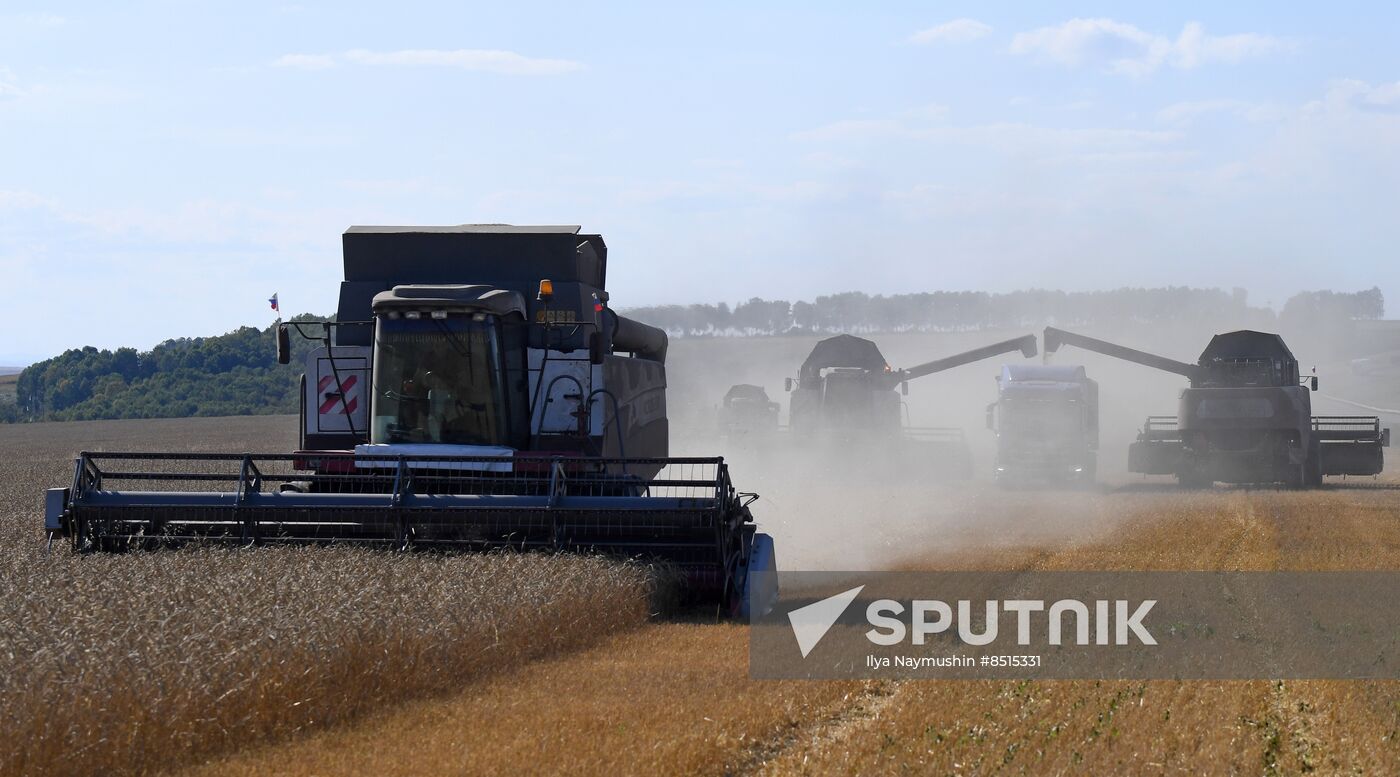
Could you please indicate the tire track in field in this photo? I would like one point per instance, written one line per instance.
(1296, 722)
(858, 711)
(1286, 722)
(857, 708)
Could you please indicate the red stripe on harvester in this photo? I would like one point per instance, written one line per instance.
(331, 401)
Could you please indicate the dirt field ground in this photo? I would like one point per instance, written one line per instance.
(609, 692)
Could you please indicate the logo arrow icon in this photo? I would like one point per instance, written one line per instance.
(812, 622)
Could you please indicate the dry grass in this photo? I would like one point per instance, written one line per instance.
(667, 699)
(133, 663)
(676, 699)
(1136, 727)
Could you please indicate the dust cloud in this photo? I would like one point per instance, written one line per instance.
(883, 506)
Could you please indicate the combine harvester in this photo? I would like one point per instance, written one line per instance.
(1046, 421)
(747, 413)
(474, 392)
(845, 391)
(1246, 417)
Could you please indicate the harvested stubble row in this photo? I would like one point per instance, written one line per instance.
(138, 662)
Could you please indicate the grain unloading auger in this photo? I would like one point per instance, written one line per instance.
(845, 385)
(475, 392)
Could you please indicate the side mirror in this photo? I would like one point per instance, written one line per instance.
(904, 388)
(1313, 383)
(284, 345)
(596, 351)
(787, 384)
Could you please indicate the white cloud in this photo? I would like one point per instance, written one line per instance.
(305, 61)
(1194, 48)
(8, 84)
(1351, 93)
(956, 31)
(1186, 112)
(1124, 49)
(481, 60)
(1077, 40)
(33, 20)
(16, 199)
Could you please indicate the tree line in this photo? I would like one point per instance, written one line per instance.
(237, 374)
(943, 311)
(230, 374)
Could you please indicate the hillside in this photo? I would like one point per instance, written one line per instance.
(229, 374)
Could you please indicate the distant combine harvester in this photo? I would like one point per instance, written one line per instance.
(1245, 418)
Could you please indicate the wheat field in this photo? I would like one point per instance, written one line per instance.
(309, 661)
(676, 698)
(132, 663)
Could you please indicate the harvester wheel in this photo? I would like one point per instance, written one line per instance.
(1313, 466)
(735, 605)
(1299, 479)
(1296, 476)
(1191, 477)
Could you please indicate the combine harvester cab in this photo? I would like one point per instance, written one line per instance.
(1245, 418)
(475, 392)
(1046, 421)
(846, 393)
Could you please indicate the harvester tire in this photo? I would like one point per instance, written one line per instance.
(1191, 477)
(1313, 466)
(1090, 475)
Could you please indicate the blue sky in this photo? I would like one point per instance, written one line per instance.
(164, 167)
